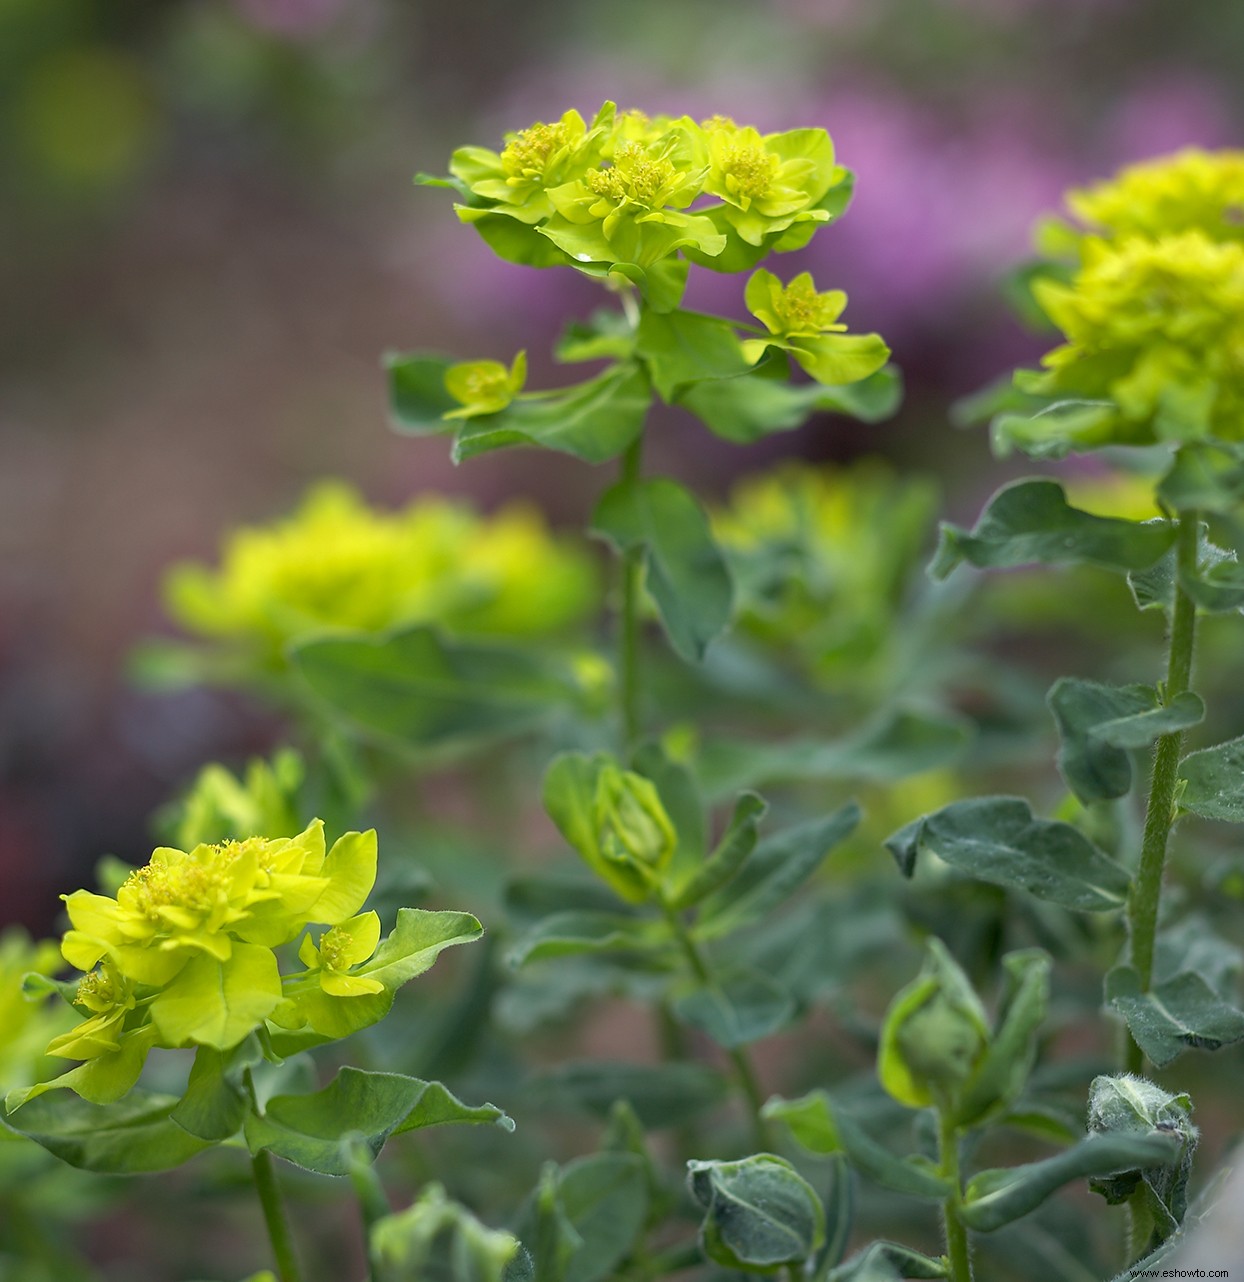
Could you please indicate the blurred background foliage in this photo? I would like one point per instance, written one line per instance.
(211, 237)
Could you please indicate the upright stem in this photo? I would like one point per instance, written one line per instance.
(744, 1069)
(632, 574)
(264, 1173)
(1146, 894)
(274, 1217)
(373, 1201)
(957, 1254)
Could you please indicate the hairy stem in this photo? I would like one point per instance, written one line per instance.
(628, 640)
(957, 1254)
(1146, 893)
(744, 1070)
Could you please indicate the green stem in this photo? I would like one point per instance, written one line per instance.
(957, 1254)
(632, 584)
(373, 1201)
(274, 1217)
(264, 1172)
(1146, 893)
(744, 1070)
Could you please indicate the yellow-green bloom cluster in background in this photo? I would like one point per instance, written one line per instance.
(26, 1024)
(184, 954)
(822, 556)
(1155, 333)
(620, 190)
(219, 806)
(1192, 190)
(1148, 293)
(338, 565)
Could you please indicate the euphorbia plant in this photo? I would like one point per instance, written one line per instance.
(800, 658)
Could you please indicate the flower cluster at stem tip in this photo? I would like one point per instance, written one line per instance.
(1151, 308)
(184, 954)
(635, 189)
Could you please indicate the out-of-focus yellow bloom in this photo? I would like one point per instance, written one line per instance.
(484, 387)
(25, 1025)
(822, 556)
(1127, 496)
(1155, 331)
(1191, 190)
(336, 564)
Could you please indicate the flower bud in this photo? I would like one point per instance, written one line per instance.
(633, 833)
(934, 1036)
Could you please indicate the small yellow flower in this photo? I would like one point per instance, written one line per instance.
(346, 945)
(485, 387)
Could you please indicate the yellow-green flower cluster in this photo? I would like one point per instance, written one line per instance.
(1152, 311)
(620, 189)
(338, 565)
(1192, 190)
(1154, 328)
(184, 954)
(821, 556)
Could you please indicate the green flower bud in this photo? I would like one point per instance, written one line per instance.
(1131, 1105)
(935, 1034)
(633, 831)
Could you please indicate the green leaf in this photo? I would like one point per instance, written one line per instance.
(1030, 522)
(593, 421)
(760, 1212)
(606, 335)
(1179, 1013)
(1098, 724)
(214, 1003)
(994, 1198)
(732, 851)
(661, 1094)
(824, 1129)
(414, 944)
(605, 1198)
(549, 1239)
(780, 864)
(686, 573)
(436, 1240)
(1213, 782)
(1204, 477)
(894, 745)
(889, 1262)
(1003, 1071)
(132, 1135)
(685, 348)
(1215, 583)
(215, 1102)
(435, 694)
(569, 933)
(747, 409)
(1000, 840)
(679, 790)
(312, 1131)
(418, 398)
(742, 1005)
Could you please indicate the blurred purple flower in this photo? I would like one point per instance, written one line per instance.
(1164, 114)
(291, 17)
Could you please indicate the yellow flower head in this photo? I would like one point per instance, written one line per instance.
(1155, 331)
(203, 902)
(338, 565)
(1192, 190)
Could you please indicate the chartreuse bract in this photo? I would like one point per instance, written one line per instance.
(195, 951)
